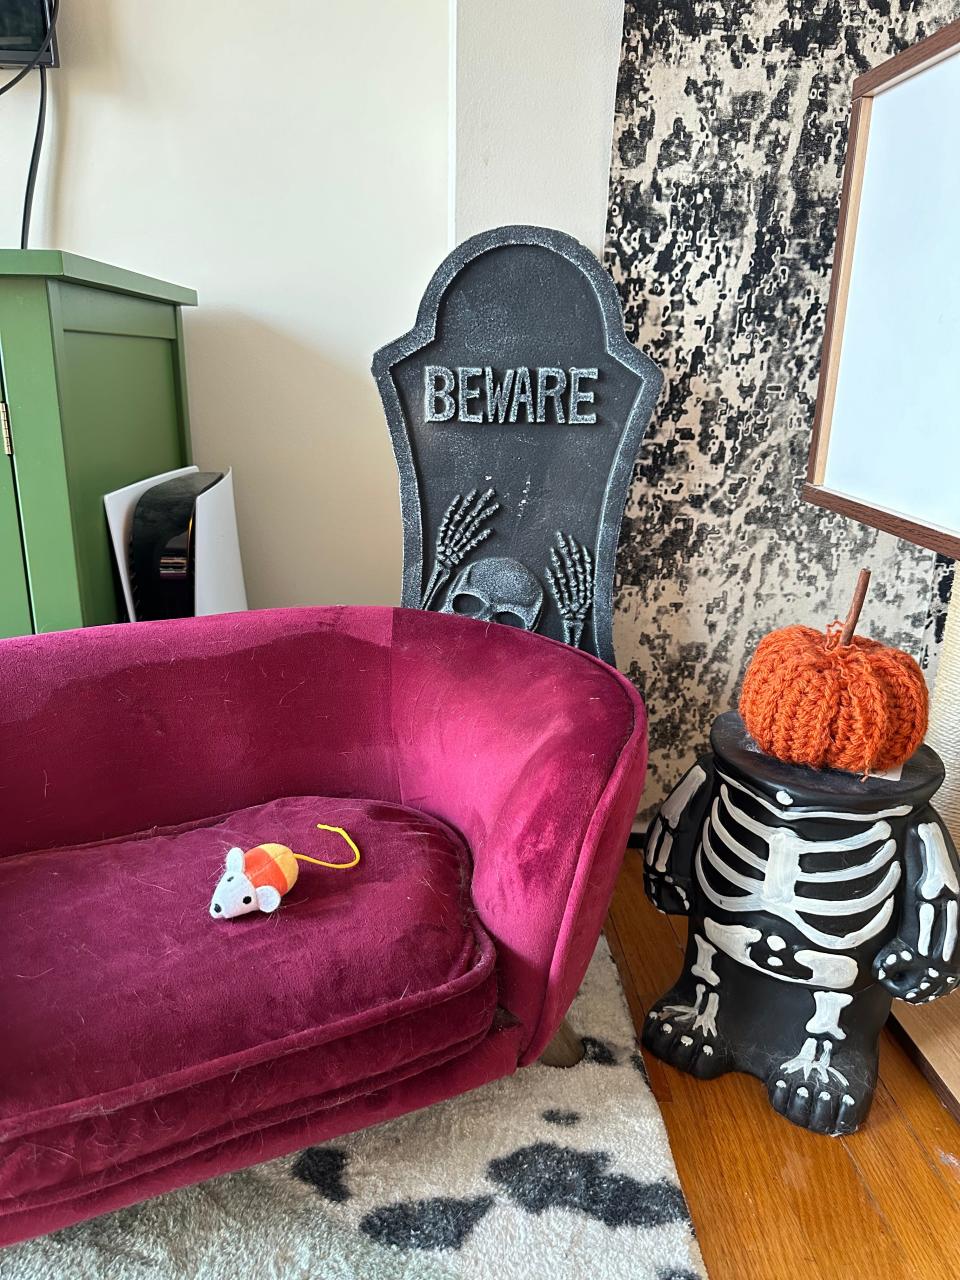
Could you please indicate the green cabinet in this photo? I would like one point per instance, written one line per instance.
(92, 398)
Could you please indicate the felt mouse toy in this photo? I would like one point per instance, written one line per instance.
(258, 879)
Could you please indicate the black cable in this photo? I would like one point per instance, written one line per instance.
(44, 46)
(34, 161)
(41, 119)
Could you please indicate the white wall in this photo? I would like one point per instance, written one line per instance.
(291, 162)
(535, 91)
(291, 165)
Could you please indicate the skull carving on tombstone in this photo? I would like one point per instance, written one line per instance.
(497, 589)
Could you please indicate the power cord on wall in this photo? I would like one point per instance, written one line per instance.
(34, 162)
(41, 120)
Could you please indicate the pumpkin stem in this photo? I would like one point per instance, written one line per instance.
(856, 604)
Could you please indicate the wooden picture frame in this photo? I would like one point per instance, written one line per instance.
(866, 88)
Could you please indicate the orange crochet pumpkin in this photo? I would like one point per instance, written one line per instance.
(809, 698)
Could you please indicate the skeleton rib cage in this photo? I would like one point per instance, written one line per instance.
(837, 892)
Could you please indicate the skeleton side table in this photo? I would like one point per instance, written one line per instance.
(814, 898)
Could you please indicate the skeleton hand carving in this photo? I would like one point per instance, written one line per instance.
(570, 574)
(462, 529)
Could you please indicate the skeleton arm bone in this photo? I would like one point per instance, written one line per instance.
(923, 961)
(672, 839)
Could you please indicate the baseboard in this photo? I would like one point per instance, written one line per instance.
(931, 1036)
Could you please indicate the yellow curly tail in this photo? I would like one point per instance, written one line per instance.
(334, 866)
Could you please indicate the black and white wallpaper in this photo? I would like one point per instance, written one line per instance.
(727, 161)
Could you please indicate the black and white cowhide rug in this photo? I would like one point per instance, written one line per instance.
(551, 1173)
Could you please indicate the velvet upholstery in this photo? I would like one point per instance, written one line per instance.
(489, 776)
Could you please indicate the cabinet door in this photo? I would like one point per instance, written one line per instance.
(30, 382)
(120, 415)
(15, 619)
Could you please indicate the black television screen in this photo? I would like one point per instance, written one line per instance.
(23, 25)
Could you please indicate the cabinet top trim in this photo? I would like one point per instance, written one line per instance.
(55, 265)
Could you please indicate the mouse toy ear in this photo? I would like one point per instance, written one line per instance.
(268, 898)
(234, 860)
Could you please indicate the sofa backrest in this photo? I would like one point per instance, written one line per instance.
(117, 729)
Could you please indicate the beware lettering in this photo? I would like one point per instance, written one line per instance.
(471, 393)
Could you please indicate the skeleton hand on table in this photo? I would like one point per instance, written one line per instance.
(923, 961)
(671, 840)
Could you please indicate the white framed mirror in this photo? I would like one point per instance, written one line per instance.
(886, 442)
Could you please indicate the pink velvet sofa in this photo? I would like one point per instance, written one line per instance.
(489, 778)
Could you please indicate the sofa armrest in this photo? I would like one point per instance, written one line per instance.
(537, 753)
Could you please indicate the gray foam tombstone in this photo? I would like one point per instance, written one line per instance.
(516, 406)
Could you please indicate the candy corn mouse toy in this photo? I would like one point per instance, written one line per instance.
(258, 879)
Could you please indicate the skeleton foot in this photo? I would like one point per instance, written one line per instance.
(815, 1095)
(685, 1035)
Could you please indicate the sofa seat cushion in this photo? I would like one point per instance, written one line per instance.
(137, 1029)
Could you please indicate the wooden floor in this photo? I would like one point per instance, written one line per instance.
(771, 1201)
